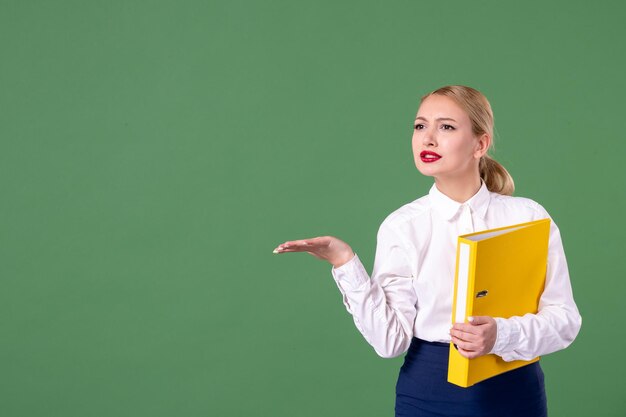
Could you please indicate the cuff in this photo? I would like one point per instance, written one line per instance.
(351, 275)
(508, 332)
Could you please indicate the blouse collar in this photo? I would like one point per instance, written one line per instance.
(449, 208)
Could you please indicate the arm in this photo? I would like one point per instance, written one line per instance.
(552, 328)
(557, 322)
(383, 307)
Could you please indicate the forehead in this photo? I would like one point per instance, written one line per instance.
(437, 106)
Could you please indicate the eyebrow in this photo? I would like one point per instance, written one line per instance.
(438, 120)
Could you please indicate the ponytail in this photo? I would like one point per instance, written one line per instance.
(495, 176)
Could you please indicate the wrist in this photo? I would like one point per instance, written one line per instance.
(343, 259)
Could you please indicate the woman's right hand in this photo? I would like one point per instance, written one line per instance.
(329, 248)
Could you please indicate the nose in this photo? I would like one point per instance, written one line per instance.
(429, 138)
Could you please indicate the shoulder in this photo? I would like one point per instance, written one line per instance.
(407, 219)
(415, 210)
(510, 210)
(522, 206)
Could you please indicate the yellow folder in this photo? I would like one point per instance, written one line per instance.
(499, 273)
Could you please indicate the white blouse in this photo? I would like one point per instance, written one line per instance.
(411, 288)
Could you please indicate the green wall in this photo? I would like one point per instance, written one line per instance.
(152, 154)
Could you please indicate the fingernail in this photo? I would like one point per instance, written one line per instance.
(470, 319)
(274, 251)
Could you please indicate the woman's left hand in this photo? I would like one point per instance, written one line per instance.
(475, 338)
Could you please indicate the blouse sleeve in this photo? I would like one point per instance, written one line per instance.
(383, 307)
(557, 322)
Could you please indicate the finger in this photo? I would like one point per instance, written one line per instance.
(321, 242)
(305, 243)
(315, 241)
(466, 336)
(468, 353)
(463, 345)
(478, 320)
(465, 327)
(301, 242)
(288, 250)
(295, 244)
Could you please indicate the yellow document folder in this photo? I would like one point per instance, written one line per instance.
(499, 273)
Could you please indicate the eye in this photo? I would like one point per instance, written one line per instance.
(447, 127)
(419, 126)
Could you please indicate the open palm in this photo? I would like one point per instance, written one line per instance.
(329, 248)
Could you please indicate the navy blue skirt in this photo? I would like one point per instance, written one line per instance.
(423, 390)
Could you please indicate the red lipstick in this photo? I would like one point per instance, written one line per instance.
(428, 156)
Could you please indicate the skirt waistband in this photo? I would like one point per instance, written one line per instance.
(426, 342)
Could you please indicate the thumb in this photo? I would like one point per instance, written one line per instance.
(478, 320)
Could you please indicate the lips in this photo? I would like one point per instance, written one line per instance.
(428, 156)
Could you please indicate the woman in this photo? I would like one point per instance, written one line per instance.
(407, 303)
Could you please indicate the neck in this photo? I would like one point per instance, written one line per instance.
(459, 190)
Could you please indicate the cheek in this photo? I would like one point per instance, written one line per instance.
(415, 146)
(415, 140)
(460, 147)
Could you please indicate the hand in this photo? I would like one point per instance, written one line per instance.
(475, 338)
(329, 248)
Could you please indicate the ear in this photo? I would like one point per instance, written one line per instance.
(482, 145)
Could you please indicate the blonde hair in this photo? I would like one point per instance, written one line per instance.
(477, 107)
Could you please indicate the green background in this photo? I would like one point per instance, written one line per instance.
(152, 154)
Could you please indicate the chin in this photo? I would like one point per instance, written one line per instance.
(425, 170)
